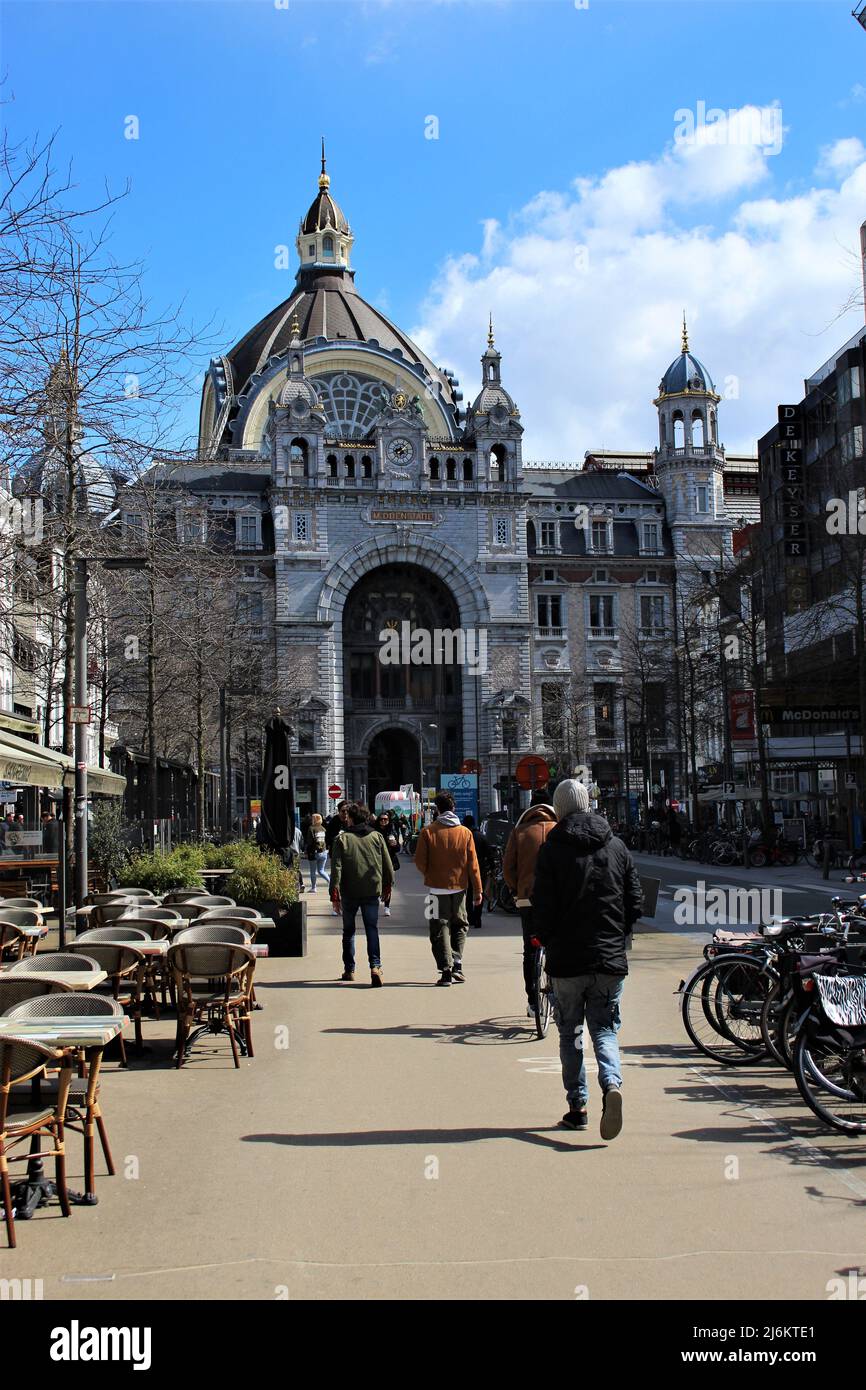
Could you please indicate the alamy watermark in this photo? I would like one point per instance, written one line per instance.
(757, 126)
(438, 646)
(719, 907)
(22, 517)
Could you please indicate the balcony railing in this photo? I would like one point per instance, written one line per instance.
(657, 632)
(606, 633)
(557, 634)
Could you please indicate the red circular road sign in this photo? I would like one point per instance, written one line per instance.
(469, 765)
(335, 791)
(532, 772)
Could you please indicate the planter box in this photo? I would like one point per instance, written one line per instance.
(288, 935)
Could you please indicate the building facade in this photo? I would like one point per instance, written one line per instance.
(367, 507)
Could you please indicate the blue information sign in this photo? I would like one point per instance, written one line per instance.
(463, 786)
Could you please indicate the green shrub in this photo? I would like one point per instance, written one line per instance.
(161, 872)
(264, 879)
(108, 851)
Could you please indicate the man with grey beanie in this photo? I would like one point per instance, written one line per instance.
(586, 900)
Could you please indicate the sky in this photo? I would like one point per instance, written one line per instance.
(584, 172)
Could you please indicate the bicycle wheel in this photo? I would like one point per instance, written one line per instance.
(831, 1078)
(757, 858)
(704, 1015)
(772, 1014)
(505, 899)
(543, 994)
(739, 1000)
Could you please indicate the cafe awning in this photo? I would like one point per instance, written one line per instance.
(32, 765)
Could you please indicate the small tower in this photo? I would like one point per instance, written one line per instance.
(689, 459)
(297, 421)
(325, 238)
(493, 422)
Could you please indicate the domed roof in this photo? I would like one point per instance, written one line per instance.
(493, 400)
(45, 475)
(324, 212)
(685, 373)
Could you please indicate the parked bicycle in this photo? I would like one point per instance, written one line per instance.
(542, 989)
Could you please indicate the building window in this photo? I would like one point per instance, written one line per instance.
(549, 576)
(652, 612)
(467, 470)
(312, 249)
(601, 612)
(502, 530)
(650, 536)
(498, 463)
(193, 529)
(548, 535)
(450, 470)
(434, 468)
(600, 537)
(651, 576)
(548, 609)
(551, 712)
(327, 248)
(332, 465)
(605, 710)
(133, 527)
(301, 526)
(366, 466)
(248, 531)
(250, 609)
(362, 675)
(703, 496)
(655, 702)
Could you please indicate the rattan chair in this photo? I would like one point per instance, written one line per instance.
(125, 968)
(116, 932)
(14, 945)
(213, 984)
(208, 900)
(52, 961)
(24, 1061)
(20, 902)
(82, 1109)
(120, 895)
(228, 914)
(181, 895)
(21, 916)
(150, 914)
(214, 931)
(14, 989)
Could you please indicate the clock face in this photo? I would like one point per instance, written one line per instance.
(400, 450)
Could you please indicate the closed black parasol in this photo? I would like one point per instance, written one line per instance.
(277, 827)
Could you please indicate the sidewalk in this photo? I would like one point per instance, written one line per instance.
(404, 1145)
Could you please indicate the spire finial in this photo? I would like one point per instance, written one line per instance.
(685, 334)
(296, 327)
(490, 342)
(324, 179)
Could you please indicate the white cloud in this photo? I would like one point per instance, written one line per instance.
(587, 287)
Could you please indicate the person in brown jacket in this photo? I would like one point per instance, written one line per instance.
(447, 859)
(518, 870)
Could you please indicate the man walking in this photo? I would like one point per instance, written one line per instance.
(360, 873)
(447, 859)
(334, 825)
(484, 855)
(518, 870)
(586, 899)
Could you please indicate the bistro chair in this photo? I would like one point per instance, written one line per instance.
(82, 1107)
(214, 931)
(14, 944)
(52, 961)
(221, 918)
(146, 913)
(21, 1061)
(15, 989)
(125, 968)
(230, 914)
(120, 895)
(213, 984)
(20, 902)
(21, 916)
(114, 933)
(181, 895)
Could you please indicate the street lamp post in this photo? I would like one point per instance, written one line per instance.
(80, 693)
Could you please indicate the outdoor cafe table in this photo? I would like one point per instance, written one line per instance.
(62, 1035)
(73, 979)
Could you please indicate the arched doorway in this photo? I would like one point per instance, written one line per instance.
(392, 761)
(421, 689)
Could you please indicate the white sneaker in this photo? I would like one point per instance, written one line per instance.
(386, 911)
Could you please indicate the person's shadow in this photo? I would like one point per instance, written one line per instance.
(540, 1135)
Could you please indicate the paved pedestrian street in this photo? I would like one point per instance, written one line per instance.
(404, 1145)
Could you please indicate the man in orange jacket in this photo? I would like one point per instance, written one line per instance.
(518, 870)
(447, 859)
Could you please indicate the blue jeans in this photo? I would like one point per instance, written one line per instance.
(317, 865)
(370, 917)
(594, 998)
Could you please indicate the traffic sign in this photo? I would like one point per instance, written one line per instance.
(79, 714)
(470, 765)
(531, 772)
(335, 791)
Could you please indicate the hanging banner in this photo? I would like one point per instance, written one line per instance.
(741, 714)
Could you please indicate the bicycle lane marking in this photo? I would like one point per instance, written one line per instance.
(754, 1112)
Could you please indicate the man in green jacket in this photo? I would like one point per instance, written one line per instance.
(360, 872)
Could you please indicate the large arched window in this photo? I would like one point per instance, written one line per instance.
(467, 470)
(498, 463)
(332, 465)
(350, 466)
(679, 431)
(450, 470)
(352, 403)
(434, 468)
(298, 457)
(697, 430)
(366, 466)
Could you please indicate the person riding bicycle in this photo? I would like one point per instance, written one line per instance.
(586, 899)
(518, 869)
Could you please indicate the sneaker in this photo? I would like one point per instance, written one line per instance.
(611, 1115)
(444, 978)
(457, 974)
(335, 911)
(386, 911)
(574, 1119)
(348, 975)
(376, 977)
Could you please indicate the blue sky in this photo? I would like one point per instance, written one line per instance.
(555, 194)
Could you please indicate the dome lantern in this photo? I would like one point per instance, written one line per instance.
(325, 238)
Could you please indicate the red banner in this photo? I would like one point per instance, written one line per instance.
(741, 712)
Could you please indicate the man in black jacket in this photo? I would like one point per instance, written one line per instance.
(586, 899)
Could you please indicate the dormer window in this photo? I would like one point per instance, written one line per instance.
(327, 248)
(601, 537)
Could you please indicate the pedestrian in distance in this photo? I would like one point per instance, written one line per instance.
(586, 899)
(361, 873)
(449, 865)
(334, 826)
(389, 834)
(484, 855)
(518, 869)
(316, 851)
